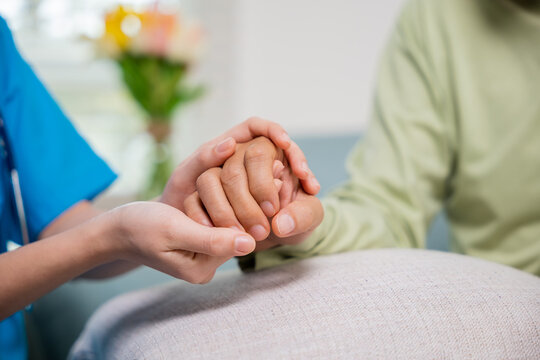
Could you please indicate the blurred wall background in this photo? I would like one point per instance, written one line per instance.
(309, 65)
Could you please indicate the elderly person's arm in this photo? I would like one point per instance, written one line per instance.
(398, 174)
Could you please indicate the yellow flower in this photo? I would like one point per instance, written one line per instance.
(150, 32)
(120, 26)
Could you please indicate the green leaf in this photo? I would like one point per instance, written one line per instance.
(156, 84)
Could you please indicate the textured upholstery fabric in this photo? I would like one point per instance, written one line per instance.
(371, 304)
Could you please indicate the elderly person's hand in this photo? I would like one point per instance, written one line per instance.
(214, 153)
(244, 193)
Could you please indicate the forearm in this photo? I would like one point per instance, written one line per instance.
(109, 270)
(75, 216)
(35, 269)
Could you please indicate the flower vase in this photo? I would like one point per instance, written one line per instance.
(162, 163)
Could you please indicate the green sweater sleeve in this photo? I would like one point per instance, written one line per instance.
(398, 173)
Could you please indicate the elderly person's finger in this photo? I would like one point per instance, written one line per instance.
(247, 210)
(194, 209)
(214, 199)
(298, 219)
(261, 169)
(255, 126)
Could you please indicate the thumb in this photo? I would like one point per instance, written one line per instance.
(213, 241)
(301, 216)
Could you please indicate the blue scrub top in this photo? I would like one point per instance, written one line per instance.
(57, 168)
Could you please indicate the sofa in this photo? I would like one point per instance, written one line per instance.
(373, 304)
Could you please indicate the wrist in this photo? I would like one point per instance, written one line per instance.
(106, 236)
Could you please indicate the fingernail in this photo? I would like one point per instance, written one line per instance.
(285, 138)
(224, 145)
(315, 182)
(258, 232)
(206, 222)
(278, 184)
(243, 244)
(267, 208)
(285, 224)
(277, 168)
(305, 167)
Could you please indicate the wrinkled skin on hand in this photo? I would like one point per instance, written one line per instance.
(257, 191)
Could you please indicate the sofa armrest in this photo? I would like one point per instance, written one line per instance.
(392, 303)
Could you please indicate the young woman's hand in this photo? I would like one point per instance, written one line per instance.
(162, 237)
(82, 240)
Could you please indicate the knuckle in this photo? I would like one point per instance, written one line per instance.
(196, 212)
(176, 180)
(189, 202)
(262, 190)
(208, 277)
(262, 140)
(213, 244)
(253, 216)
(258, 152)
(204, 154)
(199, 279)
(215, 172)
(194, 277)
(252, 119)
(220, 217)
(204, 276)
(232, 175)
(206, 245)
(202, 180)
(195, 273)
(167, 231)
(207, 178)
(224, 219)
(185, 273)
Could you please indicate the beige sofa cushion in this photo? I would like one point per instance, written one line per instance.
(376, 304)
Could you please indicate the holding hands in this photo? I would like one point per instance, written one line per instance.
(161, 236)
(228, 208)
(259, 191)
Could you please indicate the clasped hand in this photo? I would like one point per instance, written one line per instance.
(229, 208)
(257, 191)
(264, 179)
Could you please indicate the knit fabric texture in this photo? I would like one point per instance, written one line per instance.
(375, 304)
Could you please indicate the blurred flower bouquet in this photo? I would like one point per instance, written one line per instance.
(155, 51)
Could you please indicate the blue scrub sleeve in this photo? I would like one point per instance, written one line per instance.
(57, 168)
